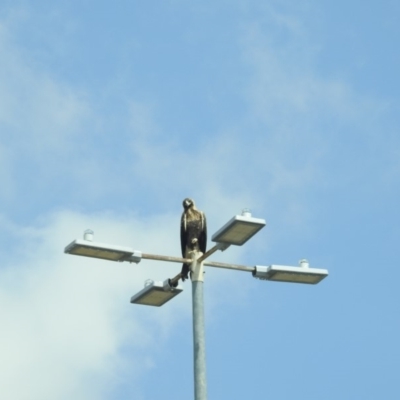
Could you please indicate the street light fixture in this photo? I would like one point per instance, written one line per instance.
(283, 273)
(239, 229)
(156, 293)
(103, 251)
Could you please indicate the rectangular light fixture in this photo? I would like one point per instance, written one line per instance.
(238, 230)
(283, 273)
(156, 294)
(103, 251)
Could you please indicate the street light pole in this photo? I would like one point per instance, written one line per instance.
(236, 232)
(199, 342)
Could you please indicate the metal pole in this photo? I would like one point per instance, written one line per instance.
(199, 342)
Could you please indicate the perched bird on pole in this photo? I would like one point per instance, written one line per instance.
(193, 233)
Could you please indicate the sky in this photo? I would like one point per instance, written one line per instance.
(112, 114)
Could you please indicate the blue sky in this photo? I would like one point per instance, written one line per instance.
(110, 115)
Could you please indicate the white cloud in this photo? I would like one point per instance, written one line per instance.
(305, 116)
(65, 319)
(6, 178)
(41, 123)
(42, 114)
(50, 124)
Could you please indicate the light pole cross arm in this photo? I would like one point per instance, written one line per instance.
(166, 258)
(215, 264)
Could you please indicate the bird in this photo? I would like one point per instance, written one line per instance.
(193, 233)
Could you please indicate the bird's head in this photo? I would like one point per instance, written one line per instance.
(187, 203)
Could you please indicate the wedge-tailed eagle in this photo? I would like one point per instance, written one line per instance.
(193, 233)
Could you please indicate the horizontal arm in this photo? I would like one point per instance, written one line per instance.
(166, 258)
(229, 266)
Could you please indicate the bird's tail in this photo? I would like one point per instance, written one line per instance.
(185, 272)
